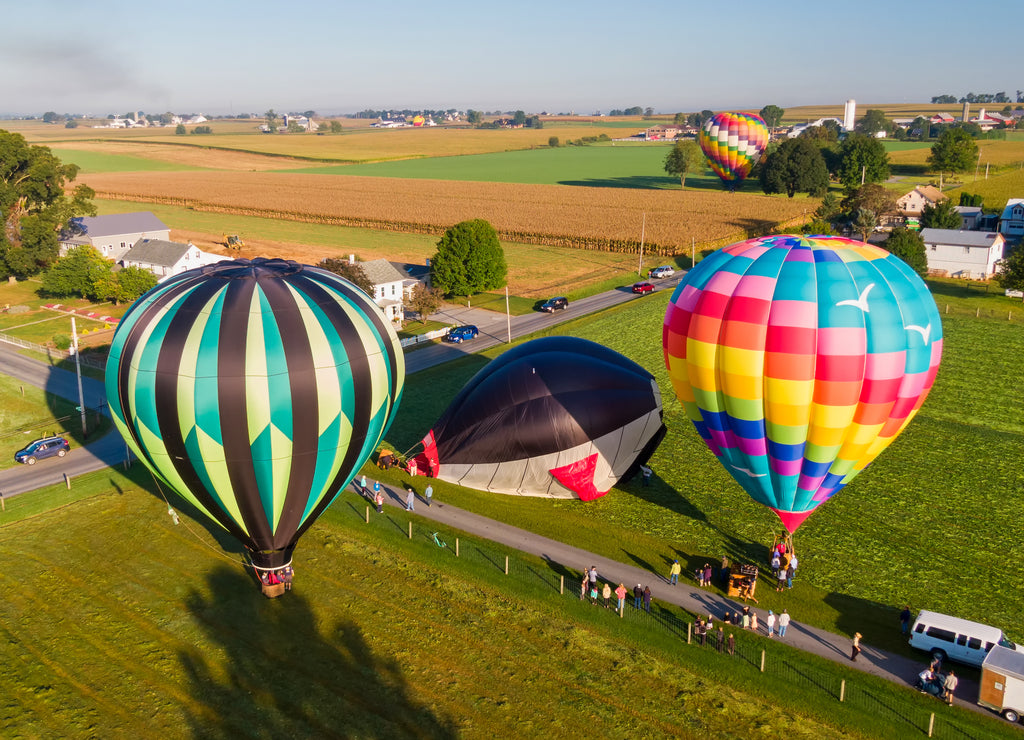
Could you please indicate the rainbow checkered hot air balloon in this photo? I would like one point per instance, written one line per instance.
(799, 359)
(733, 143)
(255, 389)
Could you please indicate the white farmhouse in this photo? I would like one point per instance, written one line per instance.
(113, 235)
(1011, 223)
(965, 254)
(166, 258)
(914, 202)
(387, 287)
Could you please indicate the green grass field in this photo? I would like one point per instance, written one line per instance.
(90, 161)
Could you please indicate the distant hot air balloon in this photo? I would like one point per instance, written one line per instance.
(559, 416)
(733, 143)
(417, 121)
(255, 389)
(799, 359)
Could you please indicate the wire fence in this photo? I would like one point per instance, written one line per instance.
(775, 665)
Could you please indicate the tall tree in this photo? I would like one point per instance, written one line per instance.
(955, 151)
(864, 222)
(871, 197)
(1010, 271)
(34, 207)
(685, 157)
(942, 215)
(425, 301)
(271, 118)
(132, 282)
(469, 259)
(795, 167)
(909, 247)
(351, 271)
(772, 115)
(873, 122)
(862, 157)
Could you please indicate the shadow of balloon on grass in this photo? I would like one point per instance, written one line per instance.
(269, 669)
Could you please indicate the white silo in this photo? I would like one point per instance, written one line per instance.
(849, 114)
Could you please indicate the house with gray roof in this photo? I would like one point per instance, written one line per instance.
(966, 254)
(1011, 222)
(388, 287)
(113, 235)
(166, 258)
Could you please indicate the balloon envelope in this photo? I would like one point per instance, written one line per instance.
(733, 143)
(799, 359)
(255, 389)
(559, 416)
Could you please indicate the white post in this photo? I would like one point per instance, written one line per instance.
(643, 230)
(78, 371)
(508, 316)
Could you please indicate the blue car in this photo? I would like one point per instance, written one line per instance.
(459, 334)
(46, 447)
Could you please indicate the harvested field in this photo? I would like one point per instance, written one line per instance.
(578, 217)
(183, 154)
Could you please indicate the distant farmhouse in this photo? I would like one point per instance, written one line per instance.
(963, 254)
(166, 258)
(388, 287)
(1011, 223)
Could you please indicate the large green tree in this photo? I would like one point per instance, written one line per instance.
(796, 166)
(873, 122)
(909, 247)
(862, 157)
(871, 197)
(425, 301)
(943, 215)
(1010, 271)
(684, 158)
(864, 222)
(772, 115)
(955, 151)
(82, 272)
(132, 282)
(469, 259)
(34, 207)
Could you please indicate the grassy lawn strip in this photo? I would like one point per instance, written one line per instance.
(124, 624)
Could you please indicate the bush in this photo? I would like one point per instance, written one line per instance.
(62, 341)
(202, 130)
(553, 142)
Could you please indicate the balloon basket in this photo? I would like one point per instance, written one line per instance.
(273, 590)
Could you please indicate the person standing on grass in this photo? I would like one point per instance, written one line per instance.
(606, 594)
(770, 624)
(647, 599)
(707, 575)
(646, 473)
(378, 497)
(586, 582)
(593, 576)
(855, 648)
(429, 493)
(362, 485)
(753, 621)
(781, 579)
(720, 638)
(783, 623)
(674, 571)
(731, 644)
(790, 572)
(905, 617)
(620, 594)
(638, 595)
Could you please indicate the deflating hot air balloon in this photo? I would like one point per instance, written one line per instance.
(733, 143)
(799, 359)
(558, 416)
(255, 389)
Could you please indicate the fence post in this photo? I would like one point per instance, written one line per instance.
(931, 724)
(410, 529)
(456, 547)
(977, 314)
(67, 481)
(842, 690)
(506, 565)
(367, 514)
(762, 661)
(3, 504)
(689, 629)
(561, 585)
(947, 308)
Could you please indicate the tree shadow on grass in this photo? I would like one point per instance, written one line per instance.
(272, 673)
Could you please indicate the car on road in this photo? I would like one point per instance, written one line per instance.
(459, 334)
(55, 446)
(665, 271)
(552, 303)
(643, 287)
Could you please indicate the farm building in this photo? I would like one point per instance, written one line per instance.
(166, 258)
(970, 217)
(966, 254)
(113, 235)
(1011, 222)
(914, 202)
(388, 287)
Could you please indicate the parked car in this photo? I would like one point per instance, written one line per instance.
(458, 334)
(663, 272)
(552, 303)
(42, 448)
(643, 287)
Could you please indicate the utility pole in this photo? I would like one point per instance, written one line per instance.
(78, 372)
(643, 230)
(508, 317)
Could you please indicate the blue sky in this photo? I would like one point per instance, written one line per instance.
(220, 57)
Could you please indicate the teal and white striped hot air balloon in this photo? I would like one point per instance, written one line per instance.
(256, 390)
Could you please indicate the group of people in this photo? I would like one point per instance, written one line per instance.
(378, 495)
(933, 681)
(783, 562)
(596, 592)
(747, 619)
(280, 575)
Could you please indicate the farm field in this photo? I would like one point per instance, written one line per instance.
(166, 636)
(552, 215)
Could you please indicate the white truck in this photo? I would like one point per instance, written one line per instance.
(1002, 683)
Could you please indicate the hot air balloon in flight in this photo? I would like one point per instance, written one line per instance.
(255, 389)
(733, 143)
(558, 416)
(799, 359)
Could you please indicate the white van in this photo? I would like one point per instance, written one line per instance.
(956, 639)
